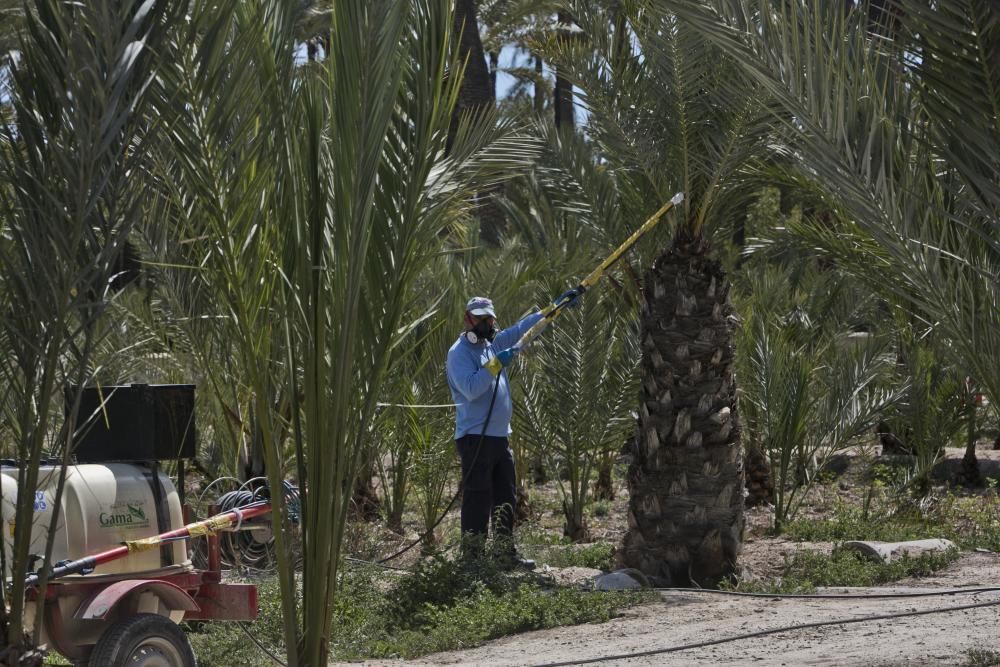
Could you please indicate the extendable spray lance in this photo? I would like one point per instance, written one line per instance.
(552, 312)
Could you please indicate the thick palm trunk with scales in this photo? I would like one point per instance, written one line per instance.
(685, 480)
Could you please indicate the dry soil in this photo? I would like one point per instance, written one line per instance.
(681, 618)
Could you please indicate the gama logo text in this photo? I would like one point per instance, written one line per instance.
(129, 514)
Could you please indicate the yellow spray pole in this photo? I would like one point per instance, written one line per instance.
(551, 312)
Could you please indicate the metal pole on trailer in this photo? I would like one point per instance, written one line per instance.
(210, 526)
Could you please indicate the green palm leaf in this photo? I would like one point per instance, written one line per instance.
(879, 123)
(578, 393)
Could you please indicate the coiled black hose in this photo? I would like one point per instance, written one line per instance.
(251, 549)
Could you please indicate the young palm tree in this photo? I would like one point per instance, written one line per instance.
(70, 193)
(577, 397)
(311, 199)
(806, 389)
(653, 92)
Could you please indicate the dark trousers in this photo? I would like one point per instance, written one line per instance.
(489, 486)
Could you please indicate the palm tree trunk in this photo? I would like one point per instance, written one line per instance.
(969, 473)
(365, 503)
(539, 94)
(604, 488)
(760, 485)
(494, 66)
(477, 92)
(686, 479)
(563, 101)
(523, 509)
(575, 527)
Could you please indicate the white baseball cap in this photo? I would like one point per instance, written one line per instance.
(480, 306)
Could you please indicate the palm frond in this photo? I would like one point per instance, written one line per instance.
(875, 118)
(663, 111)
(77, 120)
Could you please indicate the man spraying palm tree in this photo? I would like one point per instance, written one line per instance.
(482, 420)
(478, 382)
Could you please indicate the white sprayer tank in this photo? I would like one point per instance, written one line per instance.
(103, 505)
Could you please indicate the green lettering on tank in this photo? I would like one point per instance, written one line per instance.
(125, 515)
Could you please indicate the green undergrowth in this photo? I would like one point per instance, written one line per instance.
(977, 657)
(806, 571)
(441, 606)
(598, 555)
(970, 521)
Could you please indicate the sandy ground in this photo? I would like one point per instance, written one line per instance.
(681, 618)
(684, 618)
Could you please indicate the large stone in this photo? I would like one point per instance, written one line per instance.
(619, 580)
(615, 581)
(890, 551)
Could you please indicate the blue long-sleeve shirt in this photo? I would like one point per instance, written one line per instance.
(472, 385)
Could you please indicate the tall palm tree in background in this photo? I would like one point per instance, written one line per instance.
(476, 95)
(661, 123)
(510, 25)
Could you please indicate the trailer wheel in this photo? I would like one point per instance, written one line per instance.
(143, 640)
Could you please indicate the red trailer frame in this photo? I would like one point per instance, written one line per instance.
(199, 595)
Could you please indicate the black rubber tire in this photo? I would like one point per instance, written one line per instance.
(117, 644)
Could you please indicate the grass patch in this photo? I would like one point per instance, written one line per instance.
(225, 643)
(600, 508)
(441, 606)
(970, 521)
(808, 570)
(852, 523)
(486, 615)
(56, 659)
(979, 657)
(533, 533)
(598, 555)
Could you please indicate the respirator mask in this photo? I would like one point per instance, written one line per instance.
(484, 330)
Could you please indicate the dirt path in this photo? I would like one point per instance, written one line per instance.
(684, 618)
